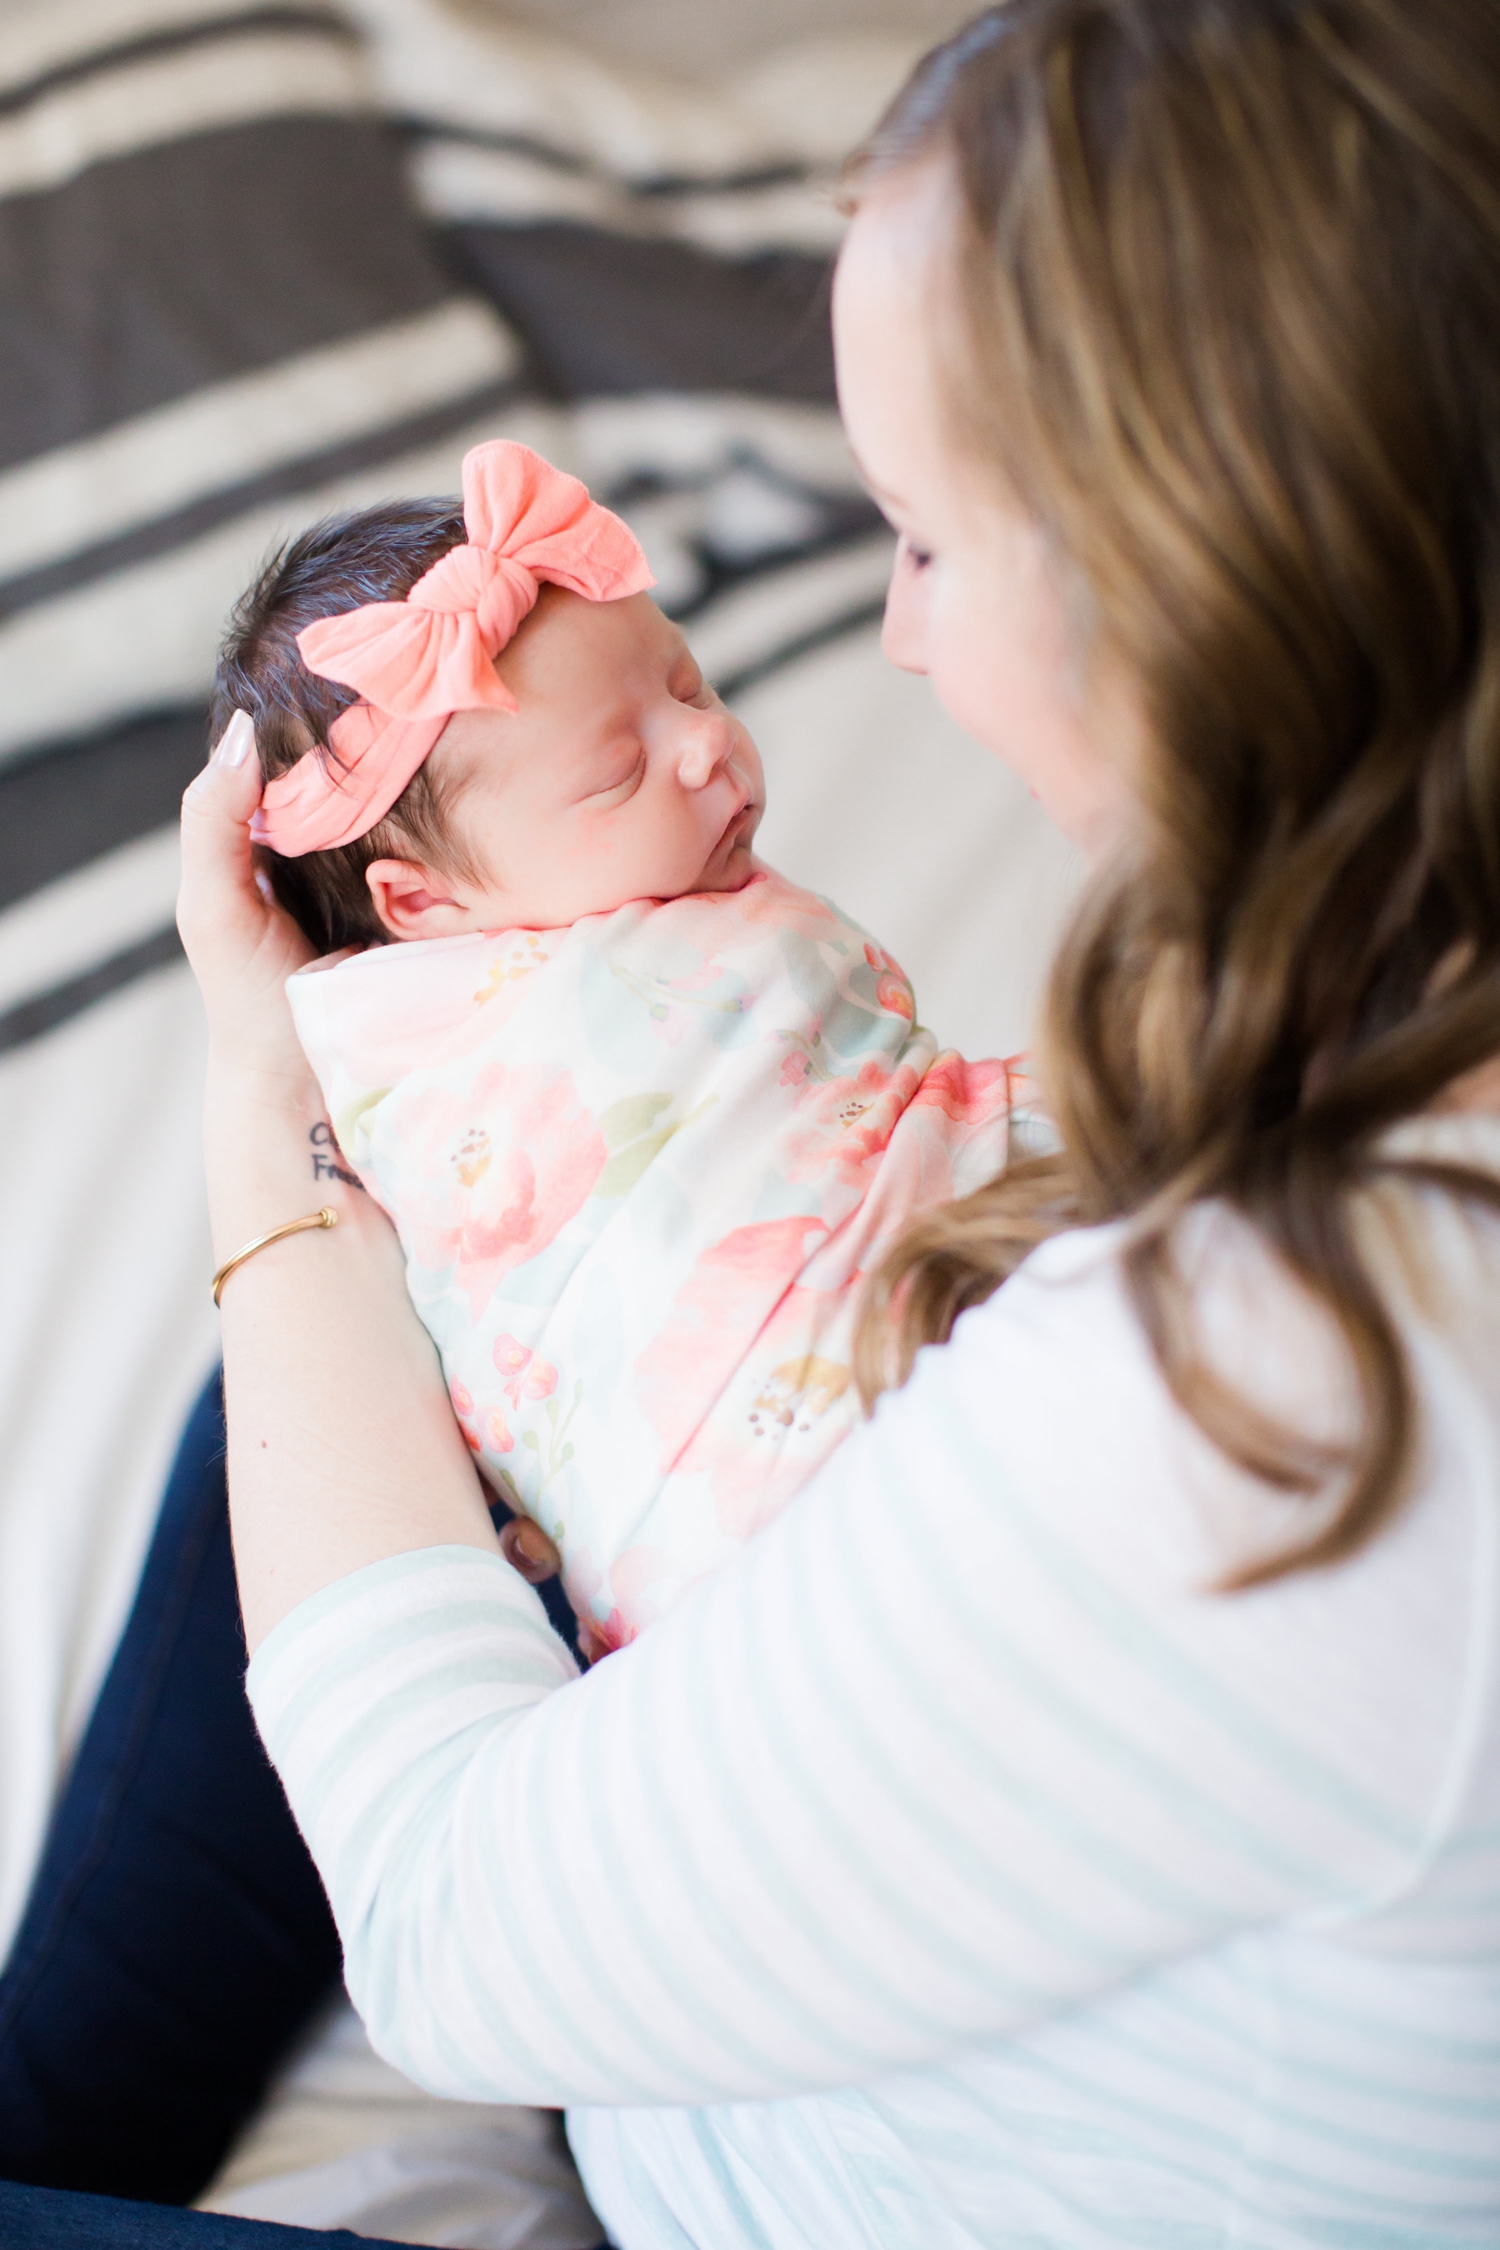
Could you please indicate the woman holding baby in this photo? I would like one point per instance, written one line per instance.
(1075, 1819)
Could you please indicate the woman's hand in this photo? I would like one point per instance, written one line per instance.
(241, 945)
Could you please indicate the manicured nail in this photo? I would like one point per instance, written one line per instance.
(535, 1545)
(236, 742)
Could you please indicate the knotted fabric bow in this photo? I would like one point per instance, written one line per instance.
(418, 661)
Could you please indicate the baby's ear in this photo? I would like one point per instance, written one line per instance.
(410, 900)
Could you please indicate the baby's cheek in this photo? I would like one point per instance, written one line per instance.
(674, 850)
(620, 859)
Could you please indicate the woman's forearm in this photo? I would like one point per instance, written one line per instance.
(342, 1446)
(956, 1745)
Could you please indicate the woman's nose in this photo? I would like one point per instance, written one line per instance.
(706, 751)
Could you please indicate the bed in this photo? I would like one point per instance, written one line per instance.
(258, 262)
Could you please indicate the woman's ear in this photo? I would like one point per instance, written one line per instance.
(410, 902)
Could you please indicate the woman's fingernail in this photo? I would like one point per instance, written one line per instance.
(535, 1545)
(236, 742)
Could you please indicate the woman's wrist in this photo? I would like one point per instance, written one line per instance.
(269, 1152)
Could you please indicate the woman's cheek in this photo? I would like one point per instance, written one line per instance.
(904, 630)
(971, 675)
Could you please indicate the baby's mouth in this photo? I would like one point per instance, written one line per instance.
(738, 828)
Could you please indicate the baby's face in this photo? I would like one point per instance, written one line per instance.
(621, 775)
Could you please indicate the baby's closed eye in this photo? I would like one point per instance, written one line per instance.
(622, 773)
(689, 686)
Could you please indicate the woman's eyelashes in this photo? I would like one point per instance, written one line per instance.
(915, 556)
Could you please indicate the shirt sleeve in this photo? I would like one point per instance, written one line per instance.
(960, 1741)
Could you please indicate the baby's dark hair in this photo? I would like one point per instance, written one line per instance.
(376, 555)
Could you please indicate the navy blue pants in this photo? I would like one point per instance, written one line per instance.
(51, 2219)
(177, 1938)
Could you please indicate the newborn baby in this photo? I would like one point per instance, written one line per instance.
(643, 1114)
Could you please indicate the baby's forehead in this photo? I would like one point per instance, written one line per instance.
(565, 627)
(575, 668)
(634, 616)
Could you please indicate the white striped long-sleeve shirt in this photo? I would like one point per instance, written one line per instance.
(959, 1868)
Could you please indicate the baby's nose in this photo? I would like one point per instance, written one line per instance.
(709, 742)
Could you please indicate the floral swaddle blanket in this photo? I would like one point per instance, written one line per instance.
(639, 1168)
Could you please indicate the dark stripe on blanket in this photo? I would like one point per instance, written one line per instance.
(178, 266)
(169, 39)
(73, 801)
(848, 525)
(606, 314)
(48, 1011)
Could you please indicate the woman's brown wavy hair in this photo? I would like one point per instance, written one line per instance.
(1229, 310)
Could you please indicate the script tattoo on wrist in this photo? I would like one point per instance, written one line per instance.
(325, 1154)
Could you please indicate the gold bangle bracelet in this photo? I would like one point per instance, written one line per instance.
(327, 1217)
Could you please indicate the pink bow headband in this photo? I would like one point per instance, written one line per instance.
(418, 661)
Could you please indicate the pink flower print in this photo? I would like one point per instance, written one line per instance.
(463, 1407)
(526, 1375)
(471, 1159)
(804, 1054)
(895, 995)
(798, 1393)
(510, 1357)
(582, 1580)
(496, 1171)
(893, 990)
(849, 1121)
(727, 1299)
(951, 1139)
(500, 1438)
(967, 1092)
(791, 1401)
(600, 1637)
(524, 957)
(635, 1578)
